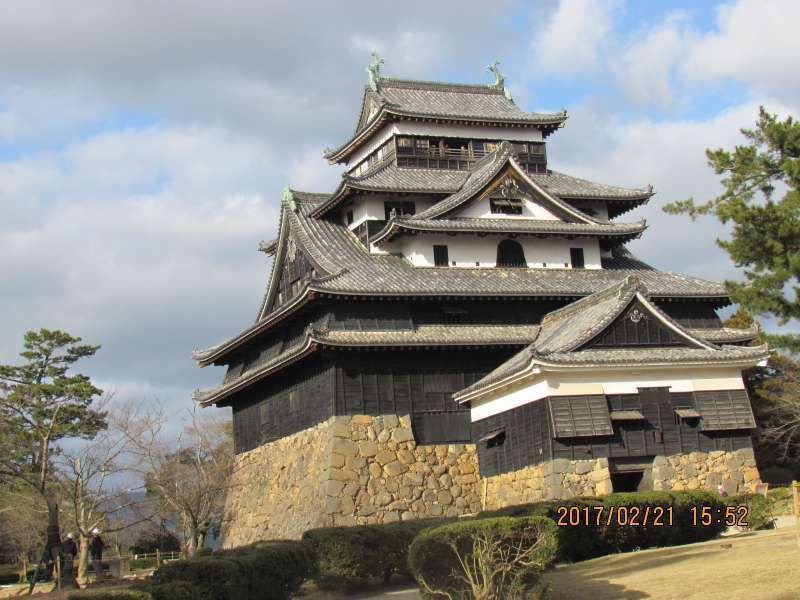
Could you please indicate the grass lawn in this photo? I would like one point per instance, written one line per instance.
(760, 565)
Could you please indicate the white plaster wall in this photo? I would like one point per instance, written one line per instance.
(482, 209)
(440, 129)
(596, 381)
(467, 249)
(370, 206)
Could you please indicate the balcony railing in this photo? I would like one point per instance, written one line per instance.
(456, 158)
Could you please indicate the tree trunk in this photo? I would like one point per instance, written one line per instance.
(83, 559)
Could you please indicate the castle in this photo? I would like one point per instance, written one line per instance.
(458, 326)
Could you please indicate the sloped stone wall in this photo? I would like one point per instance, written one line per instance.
(555, 479)
(736, 471)
(358, 470)
(349, 470)
(378, 474)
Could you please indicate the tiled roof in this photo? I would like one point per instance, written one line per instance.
(423, 335)
(481, 102)
(567, 186)
(484, 173)
(725, 334)
(406, 99)
(563, 332)
(627, 231)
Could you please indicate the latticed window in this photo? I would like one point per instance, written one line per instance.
(510, 254)
(440, 256)
(576, 257)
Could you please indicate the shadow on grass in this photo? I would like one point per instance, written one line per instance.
(566, 584)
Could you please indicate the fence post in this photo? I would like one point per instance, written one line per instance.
(796, 503)
(158, 558)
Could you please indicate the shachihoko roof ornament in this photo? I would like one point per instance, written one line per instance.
(499, 80)
(374, 71)
(288, 198)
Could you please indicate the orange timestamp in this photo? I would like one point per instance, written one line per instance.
(620, 516)
(649, 516)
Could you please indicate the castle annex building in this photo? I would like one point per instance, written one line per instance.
(458, 325)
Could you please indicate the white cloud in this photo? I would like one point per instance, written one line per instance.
(574, 38)
(645, 65)
(756, 44)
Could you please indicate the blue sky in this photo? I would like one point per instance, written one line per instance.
(143, 145)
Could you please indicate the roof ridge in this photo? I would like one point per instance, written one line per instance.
(443, 86)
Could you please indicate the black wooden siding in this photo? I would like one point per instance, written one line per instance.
(294, 273)
(526, 440)
(529, 437)
(288, 403)
(636, 327)
(419, 382)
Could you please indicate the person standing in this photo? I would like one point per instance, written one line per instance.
(69, 550)
(96, 546)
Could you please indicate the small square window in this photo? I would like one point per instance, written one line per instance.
(576, 257)
(440, 256)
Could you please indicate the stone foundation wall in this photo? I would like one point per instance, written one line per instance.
(736, 471)
(357, 470)
(349, 470)
(277, 489)
(559, 478)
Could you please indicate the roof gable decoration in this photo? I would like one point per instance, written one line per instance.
(574, 327)
(498, 174)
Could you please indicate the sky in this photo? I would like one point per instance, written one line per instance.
(144, 145)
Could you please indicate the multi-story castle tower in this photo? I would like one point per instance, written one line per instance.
(457, 326)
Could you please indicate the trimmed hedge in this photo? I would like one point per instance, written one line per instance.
(583, 542)
(110, 594)
(352, 558)
(436, 556)
(268, 571)
(760, 509)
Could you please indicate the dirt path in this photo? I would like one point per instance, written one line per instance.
(763, 565)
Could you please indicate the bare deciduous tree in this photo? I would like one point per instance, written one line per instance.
(190, 476)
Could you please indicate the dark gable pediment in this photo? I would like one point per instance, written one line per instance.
(637, 325)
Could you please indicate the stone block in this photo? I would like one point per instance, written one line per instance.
(367, 449)
(395, 468)
(344, 447)
(584, 466)
(385, 456)
(407, 516)
(384, 435)
(366, 510)
(402, 434)
(435, 510)
(375, 470)
(334, 487)
(751, 475)
(355, 463)
(413, 479)
(332, 505)
(342, 475)
(467, 479)
(560, 465)
(362, 419)
(337, 460)
(390, 421)
(382, 499)
(597, 476)
(466, 468)
(659, 461)
(406, 457)
(340, 430)
(689, 471)
(444, 498)
(391, 516)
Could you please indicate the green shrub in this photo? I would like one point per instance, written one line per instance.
(760, 513)
(266, 570)
(215, 578)
(352, 558)
(273, 570)
(175, 590)
(111, 594)
(584, 542)
(502, 555)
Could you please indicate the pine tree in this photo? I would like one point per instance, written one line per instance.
(765, 240)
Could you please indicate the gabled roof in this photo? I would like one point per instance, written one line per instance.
(344, 267)
(621, 231)
(485, 173)
(565, 333)
(398, 99)
(316, 336)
